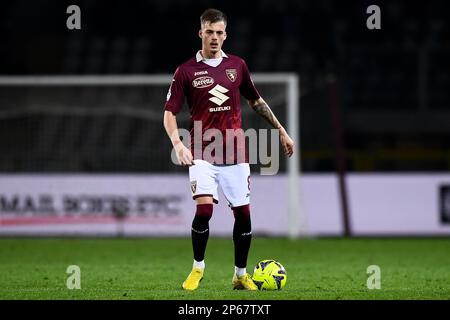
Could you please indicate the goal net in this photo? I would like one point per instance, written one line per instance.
(113, 125)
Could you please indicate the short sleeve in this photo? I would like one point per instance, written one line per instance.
(176, 94)
(247, 88)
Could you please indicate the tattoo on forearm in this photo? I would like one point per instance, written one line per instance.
(264, 110)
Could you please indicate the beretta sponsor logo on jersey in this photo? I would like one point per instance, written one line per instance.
(203, 82)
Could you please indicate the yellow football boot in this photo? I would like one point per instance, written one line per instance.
(193, 279)
(243, 283)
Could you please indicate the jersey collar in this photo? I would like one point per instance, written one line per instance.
(199, 56)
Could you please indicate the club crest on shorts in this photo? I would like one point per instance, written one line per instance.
(193, 186)
(231, 74)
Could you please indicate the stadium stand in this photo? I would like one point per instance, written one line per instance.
(400, 72)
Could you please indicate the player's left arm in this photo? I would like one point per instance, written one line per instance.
(262, 108)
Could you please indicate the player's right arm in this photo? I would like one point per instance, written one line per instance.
(174, 102)
(184, 155)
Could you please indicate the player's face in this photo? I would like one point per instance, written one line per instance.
(212, 35)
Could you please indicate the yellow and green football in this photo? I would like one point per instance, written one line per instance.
(269, 275)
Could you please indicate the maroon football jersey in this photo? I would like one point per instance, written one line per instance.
(213, 97)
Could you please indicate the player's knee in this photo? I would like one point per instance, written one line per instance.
(242, 212)
(204, 211)
(200, 224)
(243, 222)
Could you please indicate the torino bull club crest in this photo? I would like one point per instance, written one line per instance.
(193, 186)
(231, 74)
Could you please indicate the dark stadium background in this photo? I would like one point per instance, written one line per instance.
(373, 103)
(392, 84)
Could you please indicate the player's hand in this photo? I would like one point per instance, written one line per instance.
(184, 155)
(286, 142)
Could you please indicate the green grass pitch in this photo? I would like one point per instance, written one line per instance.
(327, 268)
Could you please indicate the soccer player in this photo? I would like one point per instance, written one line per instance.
(212, 83)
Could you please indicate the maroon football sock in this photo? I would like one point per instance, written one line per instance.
(242, 235)
(200, 230)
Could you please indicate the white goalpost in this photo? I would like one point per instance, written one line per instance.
(297, 225)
